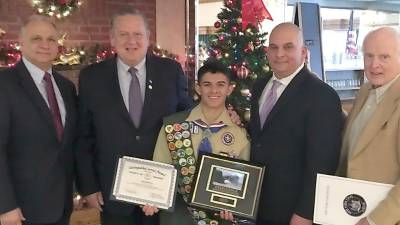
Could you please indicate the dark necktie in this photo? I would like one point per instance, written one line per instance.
(208, 130)
(53, 105)
(269, 102)
(135, 98)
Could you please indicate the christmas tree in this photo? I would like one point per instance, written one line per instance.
(239, 45)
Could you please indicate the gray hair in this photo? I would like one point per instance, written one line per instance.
(37, 18)
(129, 12)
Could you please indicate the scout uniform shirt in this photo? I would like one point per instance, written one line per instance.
(231, 139)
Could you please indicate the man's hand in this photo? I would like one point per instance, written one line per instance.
(95, 200)
(363, 221)
(13, 217)
(149, 210)
(235, 118)
(226, 215)
(79, 202)
(298, 220)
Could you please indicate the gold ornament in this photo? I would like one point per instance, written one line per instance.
(245, 92)
(266, 68)
(247, 115)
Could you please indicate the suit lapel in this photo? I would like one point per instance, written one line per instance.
(29, 86)
(288, 94)
(379, 118)
(112, 82)
(151, 81)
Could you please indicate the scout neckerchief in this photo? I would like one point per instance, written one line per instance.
(182, 154)
(208, 130)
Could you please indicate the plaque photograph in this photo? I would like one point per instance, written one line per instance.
(223, 183)
(142, 182)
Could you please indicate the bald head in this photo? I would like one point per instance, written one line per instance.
(381, 49)
(286, 50)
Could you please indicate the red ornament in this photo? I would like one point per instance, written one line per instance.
(225, 21)
(234, 28)
(230, 3)
(257, 42)
(217, 24)
(243, 72)
(221, 38)
(234, 67)
(265, 49)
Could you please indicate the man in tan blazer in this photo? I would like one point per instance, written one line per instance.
(371, 143)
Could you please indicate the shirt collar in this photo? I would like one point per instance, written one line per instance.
(36, 73)
(286, 80)
(140, 67)
(196, 114)
(380, 91)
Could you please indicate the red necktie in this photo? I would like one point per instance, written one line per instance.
(55, 111)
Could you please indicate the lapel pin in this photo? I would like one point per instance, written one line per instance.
(150, 87)
(150, 81)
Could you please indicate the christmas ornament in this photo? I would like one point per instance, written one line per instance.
(234, 67)
(221, 38)
(265, 49)
(234, 28)
(257, 42)
(243, 72)
(230, 3)
(245, 92)
(247, 115)
(217, 24)
(266, 68)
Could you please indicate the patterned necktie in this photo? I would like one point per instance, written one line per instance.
(53, 105)
(269, 102)
(135, 98)
(205, 145)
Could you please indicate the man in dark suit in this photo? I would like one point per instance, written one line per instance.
(296, 131)
(37, 133)
(115, 122)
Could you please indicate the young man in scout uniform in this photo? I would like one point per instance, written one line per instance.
(205, 128)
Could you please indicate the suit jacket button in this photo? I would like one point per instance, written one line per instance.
(137, 138)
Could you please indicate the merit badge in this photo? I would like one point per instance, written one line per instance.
(178, 144)
(189, 151)
(213, 222)
(182, 161)
(192, 169)
(171, 146)
(202, 214)
(178, 135)
(169, 128)
(170, 137)
(184, 171)
(195, 214)
(201, 222)
(185, 134)
(174, 155)
(186, 180)
(188, 188)
(185, 125)
(354, 205)
(181, 153)
(187, 143)
(177, 127)
(227, 138)
(190, 160)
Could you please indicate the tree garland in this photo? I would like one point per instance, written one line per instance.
(58, 8)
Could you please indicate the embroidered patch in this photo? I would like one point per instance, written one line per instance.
(227, 138)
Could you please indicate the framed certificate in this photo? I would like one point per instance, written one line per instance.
(142, 182)
(223, 183)
(344, 201)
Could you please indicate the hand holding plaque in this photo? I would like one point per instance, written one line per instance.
(145, 182)
(223, 183)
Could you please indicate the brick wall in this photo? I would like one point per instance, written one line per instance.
(88, 25)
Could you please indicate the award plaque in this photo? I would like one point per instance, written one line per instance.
(142, 182)
(223, 183)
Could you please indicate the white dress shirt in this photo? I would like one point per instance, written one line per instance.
(284, 83)
(124, 78)
(37, 75)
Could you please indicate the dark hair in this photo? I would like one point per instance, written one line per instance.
(214, 66)
(129, 11)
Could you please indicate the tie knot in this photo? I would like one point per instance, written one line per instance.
(276, 84)
(133, 71)
(47, 77)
